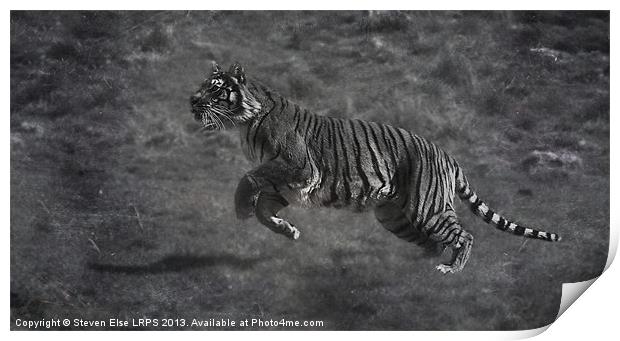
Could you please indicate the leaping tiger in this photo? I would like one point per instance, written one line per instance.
(312, 160)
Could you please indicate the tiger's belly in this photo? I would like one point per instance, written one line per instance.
(351, 195)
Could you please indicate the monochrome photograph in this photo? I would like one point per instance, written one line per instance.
(306, 170)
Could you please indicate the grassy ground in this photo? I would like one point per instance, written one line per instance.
(121, 208)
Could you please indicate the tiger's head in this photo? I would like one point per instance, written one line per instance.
(223, 100)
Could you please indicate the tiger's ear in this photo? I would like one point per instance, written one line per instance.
(216, 68)
(236, 70)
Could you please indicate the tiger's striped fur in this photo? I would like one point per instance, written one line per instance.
(314, 160)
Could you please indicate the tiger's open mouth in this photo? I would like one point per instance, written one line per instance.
(207, 121)
(214, 118)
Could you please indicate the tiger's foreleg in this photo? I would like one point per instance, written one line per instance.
(246, 197)
(258, 193)
(267, 208)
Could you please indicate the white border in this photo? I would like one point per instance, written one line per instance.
(318, 5)
(593, 315)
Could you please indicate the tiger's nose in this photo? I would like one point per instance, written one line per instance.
(194, 99)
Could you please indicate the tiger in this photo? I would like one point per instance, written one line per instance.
(311, 160)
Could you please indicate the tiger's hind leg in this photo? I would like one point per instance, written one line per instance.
(442, 231)
(394, 220)
(445, 230)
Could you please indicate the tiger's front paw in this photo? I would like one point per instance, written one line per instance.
(294, 233)
(286, 228)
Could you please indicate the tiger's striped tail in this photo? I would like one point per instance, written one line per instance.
(479, 208)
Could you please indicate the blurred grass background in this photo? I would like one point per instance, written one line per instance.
(120, 207)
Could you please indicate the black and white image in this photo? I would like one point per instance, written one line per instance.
(305, 170)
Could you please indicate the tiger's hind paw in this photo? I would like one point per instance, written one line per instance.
(447, 268)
